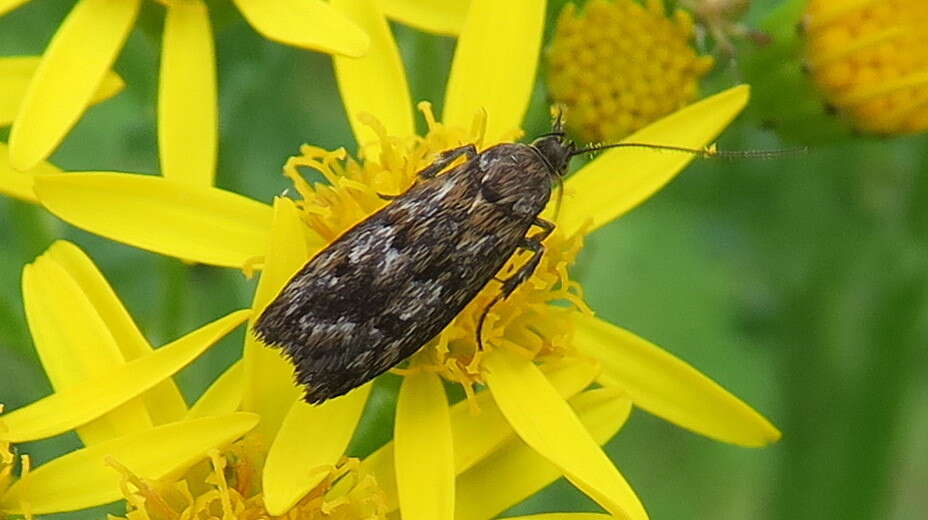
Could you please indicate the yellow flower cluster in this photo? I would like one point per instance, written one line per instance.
(620, 65)
(870, 60)
(559, 382)
(228, 486)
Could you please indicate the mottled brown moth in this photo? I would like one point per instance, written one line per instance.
(392, 282)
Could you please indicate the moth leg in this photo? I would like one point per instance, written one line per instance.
(445, 158)
(533, 244)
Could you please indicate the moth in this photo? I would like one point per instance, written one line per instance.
(392, 282)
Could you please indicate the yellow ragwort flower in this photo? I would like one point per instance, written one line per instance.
(530, 343)
(109, 385)
(619, 65)
(869, 59)
(144, 445)
(91, 37)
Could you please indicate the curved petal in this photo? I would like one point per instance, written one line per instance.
(310, 24)
(620, 179)
(311, 440)
(164, 402)
(376, 83)
(101, 393)
(516, 472)
(187, 119)
(546, 423)
(20, 184)
(223, 396)
(197, 223)
(72, 68)
(494, 64)
(74, 342)
(437, 16)
(17, 71)
(477, 436)
(425, 484)
(83, 478)
(668, 387)
(269, 387)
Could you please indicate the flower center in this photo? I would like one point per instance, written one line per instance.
(227, 486)
(870, 60)
(618, 66)
(526, 321)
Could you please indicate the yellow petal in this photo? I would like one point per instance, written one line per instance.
(19, 184)
(494, 64)
(198, 223)
(424, 454)
(437, 16)
(516, 472)
(8, 5)
(620, 179)
(187, 120)
(562, 516)
(74, 64)
(375, 84)
(75, 344)
(311, 440)
(476, 436)
(15, 74)
(310, 24)
(546, 423)
(164, 402)
(223, 396)
(99, 394)
(269, 380)
(83, 478)
(668, 387)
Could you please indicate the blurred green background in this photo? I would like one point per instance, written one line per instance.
(798, 283)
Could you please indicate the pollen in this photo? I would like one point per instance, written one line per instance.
(529, 321)
(619, 65)
(869, 58)
(225, 487)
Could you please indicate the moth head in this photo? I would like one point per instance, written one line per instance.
(556, 149)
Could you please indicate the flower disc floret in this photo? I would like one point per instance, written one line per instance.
(619, 65)
(870, 61)
(228, 486)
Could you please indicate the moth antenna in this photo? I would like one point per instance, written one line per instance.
(705, 153)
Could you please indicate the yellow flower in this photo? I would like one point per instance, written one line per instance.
(92, 35)
(870, 61)
(15, 75)
(837, 69)
(620, 65)
(144, 445)
(110, 386)
(527, 337)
